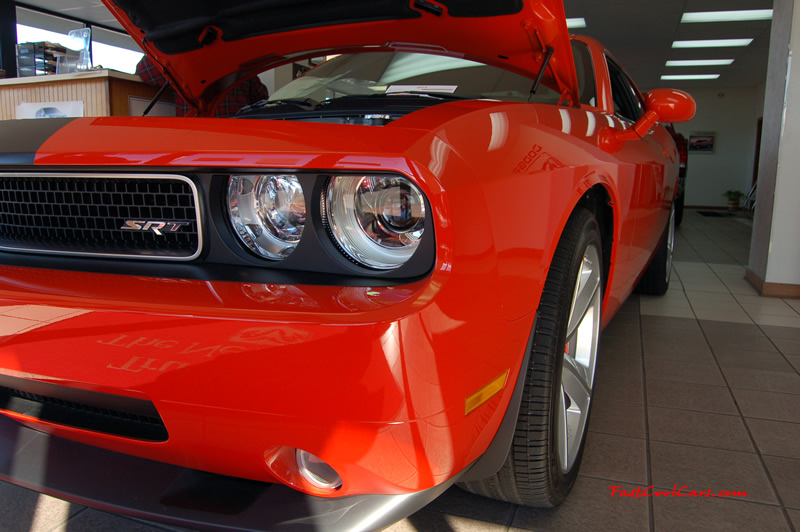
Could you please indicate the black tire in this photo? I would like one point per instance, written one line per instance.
(655, 280)
(532, 474)
(679, 210)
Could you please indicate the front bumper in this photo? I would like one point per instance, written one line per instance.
(184, 497)
(372, 380)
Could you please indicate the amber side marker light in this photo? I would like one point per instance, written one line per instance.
(484, 394)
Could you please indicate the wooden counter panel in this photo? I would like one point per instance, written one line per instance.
(122, 89)
(103, 92)
(93, 93)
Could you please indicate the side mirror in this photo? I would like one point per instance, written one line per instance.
(670, 105)
(663, 105)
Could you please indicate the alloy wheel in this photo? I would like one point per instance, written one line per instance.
(580, 355)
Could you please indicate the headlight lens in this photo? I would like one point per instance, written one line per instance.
(268, 212)
(377, 221)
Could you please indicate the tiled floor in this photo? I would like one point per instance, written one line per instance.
(699, 388)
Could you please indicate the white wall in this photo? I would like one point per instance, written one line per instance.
(779, 240)
(774, 95)
(733, 114)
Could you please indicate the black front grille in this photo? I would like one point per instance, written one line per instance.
(85, 215)
(99, 412)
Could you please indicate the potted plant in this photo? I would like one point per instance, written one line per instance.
(734, 197)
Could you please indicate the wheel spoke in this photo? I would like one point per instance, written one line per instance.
(575, 398)
(578, 363)
(588, 283)
(670, 241)
(562, 430)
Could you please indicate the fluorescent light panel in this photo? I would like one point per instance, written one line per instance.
(712, 43)
(689, 76)
(728, 16)
(698, 62)
(573, 23)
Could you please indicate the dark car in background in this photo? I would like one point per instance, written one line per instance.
(683, 152)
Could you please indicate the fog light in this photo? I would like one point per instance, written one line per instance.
(316, 472)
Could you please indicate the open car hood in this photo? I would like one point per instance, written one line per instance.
(206, 46)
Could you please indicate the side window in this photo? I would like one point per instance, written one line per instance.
(587, 87)
(627, 100)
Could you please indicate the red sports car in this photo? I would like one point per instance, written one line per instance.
(388, 278)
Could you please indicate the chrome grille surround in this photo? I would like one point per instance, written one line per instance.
(52, 213)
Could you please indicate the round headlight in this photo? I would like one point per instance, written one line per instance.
(377, 221)
(268, 212)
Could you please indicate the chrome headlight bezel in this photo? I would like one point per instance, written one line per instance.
(257, 219)
(375, 221)
(317, 251)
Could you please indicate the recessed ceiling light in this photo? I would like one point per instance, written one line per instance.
(712, 43)
(573, 23)
(728, 16)
(690, 76)
(698, 62)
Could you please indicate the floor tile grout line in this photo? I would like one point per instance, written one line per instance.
(613, 434)
(766, 391)
(747, 429)
(689, 382)
(698, 446)
(773, 420)
(735, 402)
(648, 462)
(771, 341)
(60, 526)
(705, 235)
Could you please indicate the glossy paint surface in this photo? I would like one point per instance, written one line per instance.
(373, 380)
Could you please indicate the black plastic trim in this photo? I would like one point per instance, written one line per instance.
(185, 497)
(111, 414)
(17, 158)
(27, 136)
(495, 456)
(315, 261)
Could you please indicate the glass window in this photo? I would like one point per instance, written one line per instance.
(110, 49)
(628, 102)
(115, 50)
(378, 73)
(33, 26)
(587, 86)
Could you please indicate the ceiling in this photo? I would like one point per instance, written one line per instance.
(639, 33)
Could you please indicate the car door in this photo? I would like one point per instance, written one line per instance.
(652, 191)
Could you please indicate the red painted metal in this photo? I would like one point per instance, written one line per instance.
(370, 379)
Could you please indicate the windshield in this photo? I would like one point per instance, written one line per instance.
(387, 73)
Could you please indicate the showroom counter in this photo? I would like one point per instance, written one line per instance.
(102, 93)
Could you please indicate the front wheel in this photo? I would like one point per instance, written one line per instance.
(655, 280)
(679, 210)
(543, 461)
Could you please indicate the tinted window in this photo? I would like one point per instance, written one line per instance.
(587, 91)
(628, 102)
